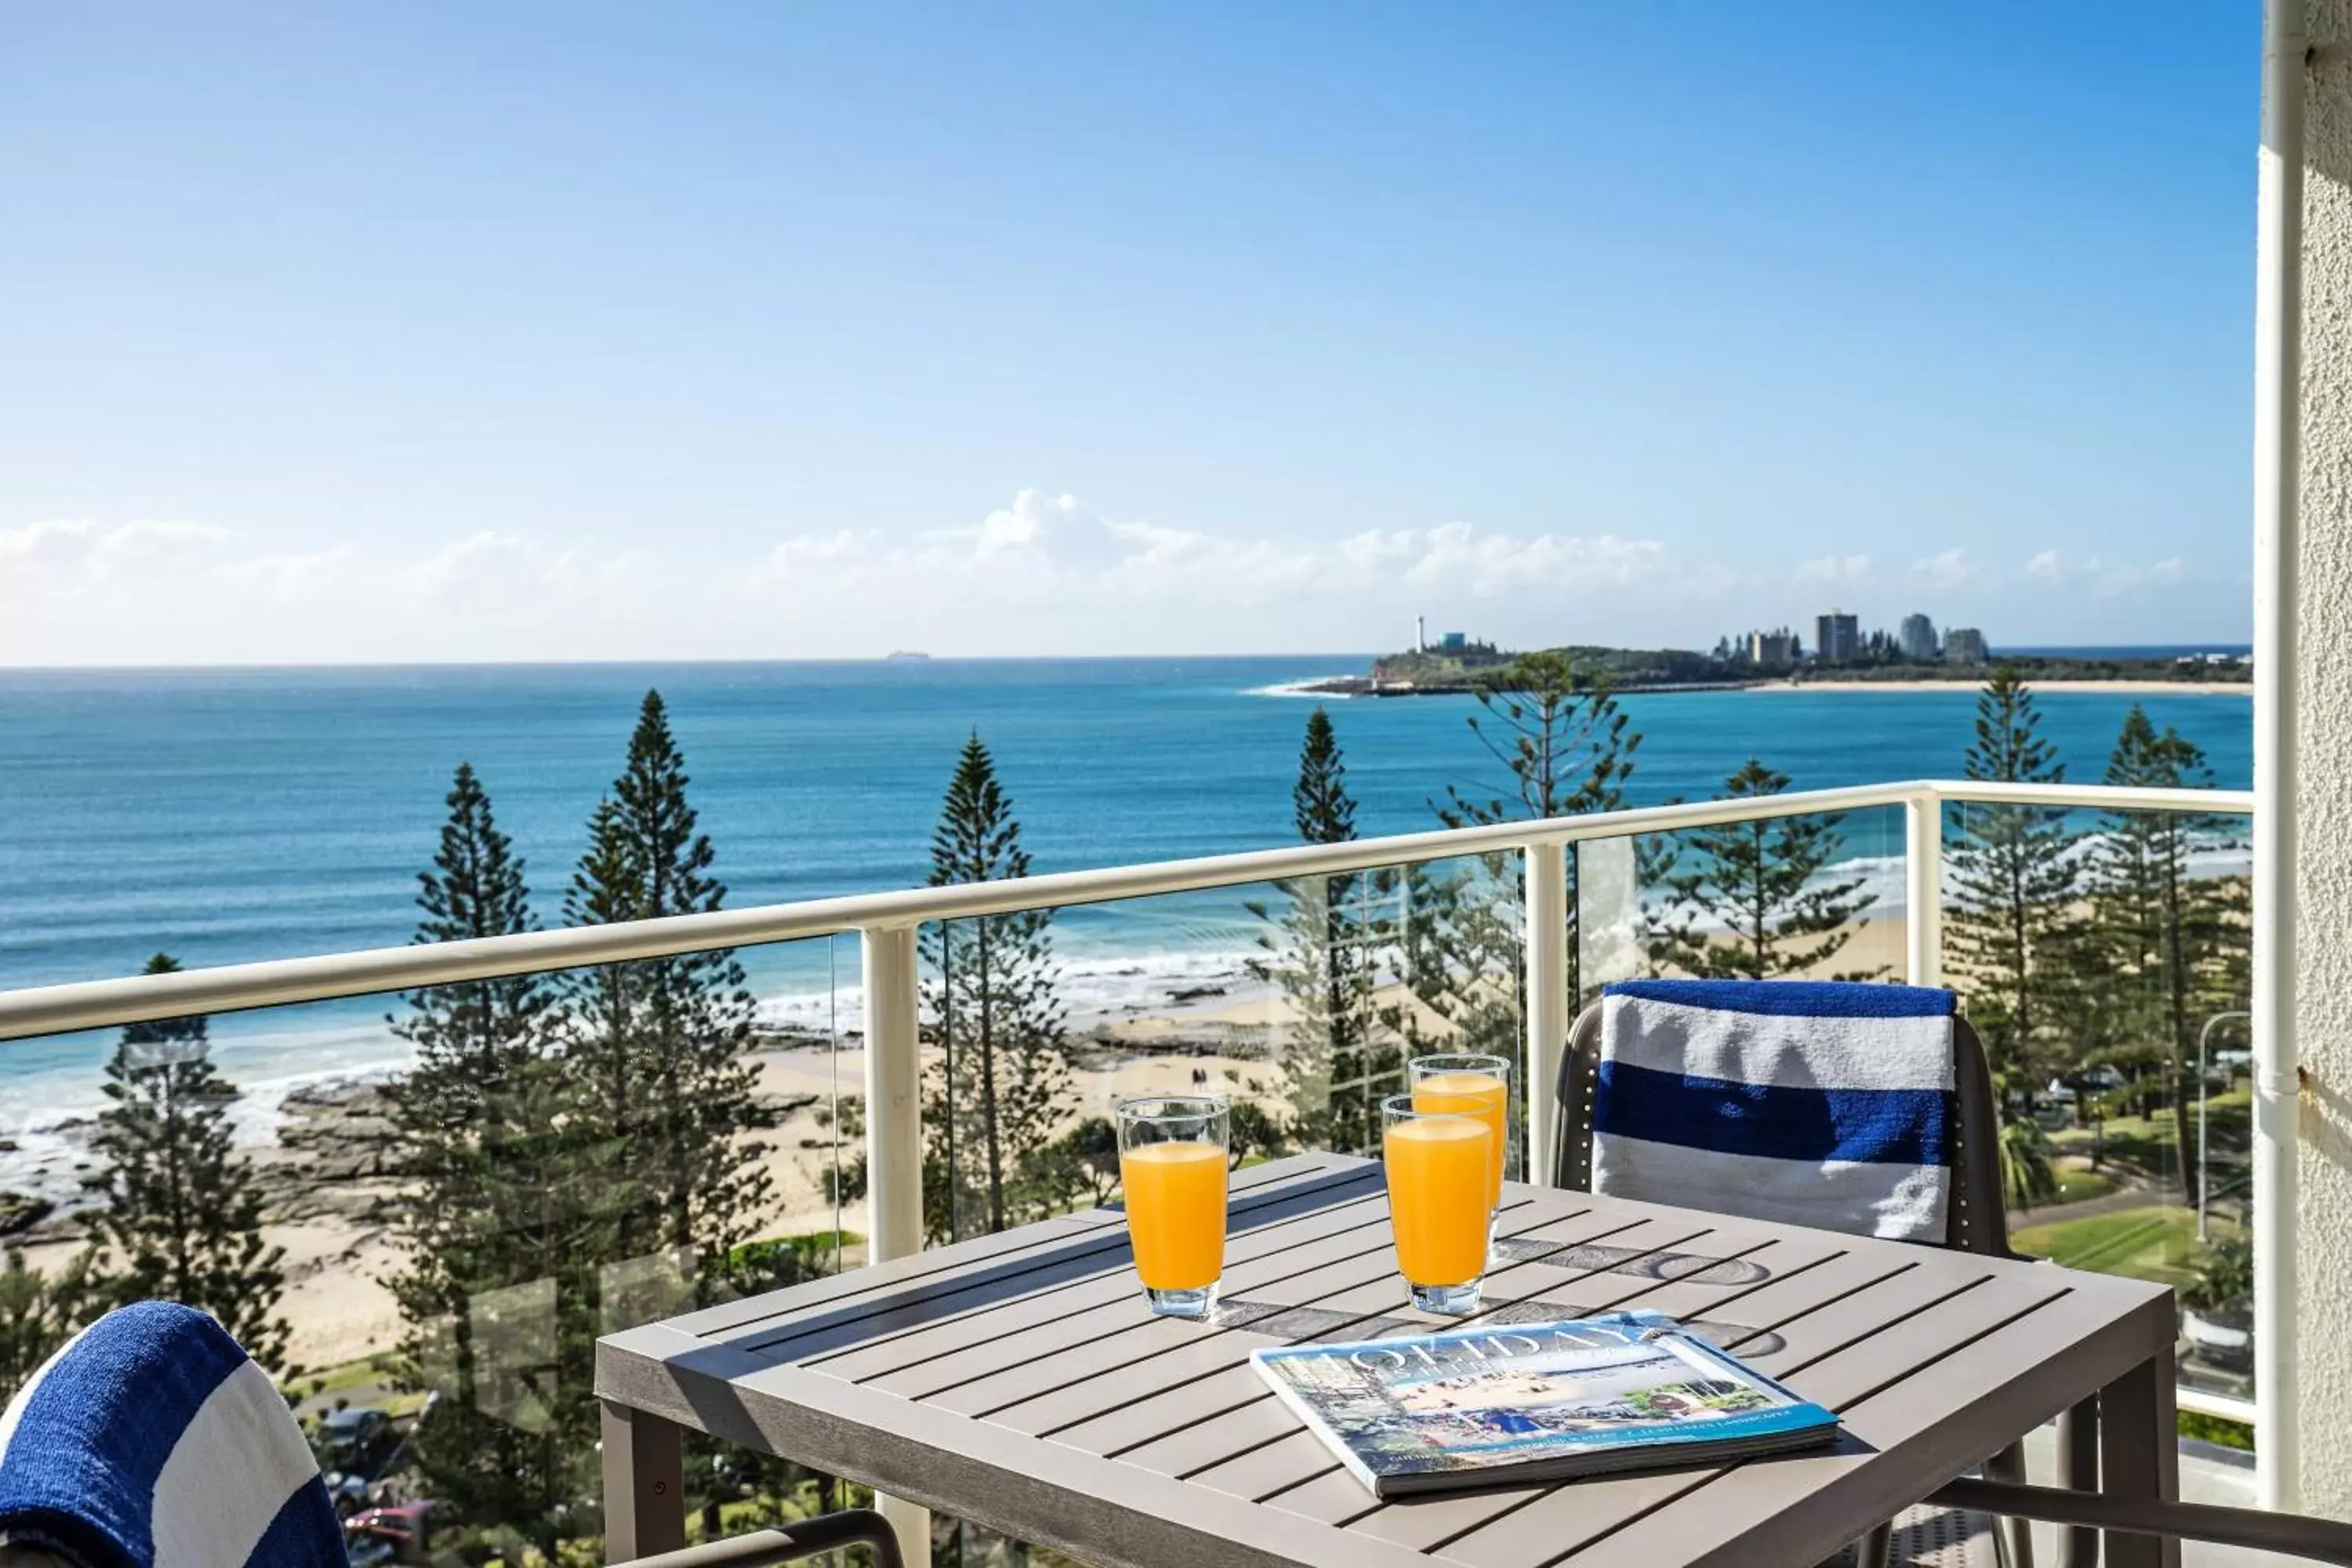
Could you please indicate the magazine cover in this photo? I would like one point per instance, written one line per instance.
(1536, 1401)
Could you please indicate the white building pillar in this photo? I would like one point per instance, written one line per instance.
(2303, 762)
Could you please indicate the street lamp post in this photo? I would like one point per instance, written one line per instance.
(2202, 1036)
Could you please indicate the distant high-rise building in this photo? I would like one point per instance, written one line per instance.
(1917, 639)
(1772, 650)
(1964, 645)
(1454, 642)
(1837, 636)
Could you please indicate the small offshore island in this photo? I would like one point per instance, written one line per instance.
(1842, 658)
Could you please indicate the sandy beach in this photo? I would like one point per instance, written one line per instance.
(2108, 688)
(332, 1192)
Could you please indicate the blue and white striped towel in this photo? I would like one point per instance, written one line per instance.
(151, 1440)
(1819, 1103)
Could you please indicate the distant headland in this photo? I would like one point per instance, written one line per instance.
(1915, 659)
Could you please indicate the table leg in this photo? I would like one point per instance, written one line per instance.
(2140, 1457)
(644, 1483)
(2078, 1470)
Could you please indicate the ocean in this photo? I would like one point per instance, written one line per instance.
(231, 815)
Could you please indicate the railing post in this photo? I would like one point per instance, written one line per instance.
(894, 1145)
(1923, 861)
(2280, 1322)
(1549, 1006)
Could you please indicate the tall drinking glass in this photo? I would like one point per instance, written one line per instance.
(1172, 1163)
(1477, 1086)
(1438, 1206)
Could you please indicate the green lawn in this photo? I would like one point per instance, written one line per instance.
(2076, 1185)
(367, 1381)
(2158, 1243)
(2148, 1144)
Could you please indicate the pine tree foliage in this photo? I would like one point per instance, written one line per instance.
(2014, 876)
(657, 1049)
(1561, 738)
(39, 1310)
(1324, 949)
(498, 1218)
(1567, 748)
(180, 1214)
(1754, 902)
(2028, 1168)
(1002, 1084)
(2171, 948)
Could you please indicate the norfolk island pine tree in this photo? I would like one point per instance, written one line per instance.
(1568, 748)
(1003, 1083)
(1324, 953)
(180, 1217)
(497, 1289)
(2010, 936)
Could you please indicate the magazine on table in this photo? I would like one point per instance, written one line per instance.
(1536, 1402)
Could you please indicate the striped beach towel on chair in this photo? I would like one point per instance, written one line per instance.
(1821, 1104)
(151, 1440)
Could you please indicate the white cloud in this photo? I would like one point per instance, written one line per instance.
(1836, 570)
(1051, 549)
(2099, 578)
(1042, 574)
(147, 592)
(1947, 571)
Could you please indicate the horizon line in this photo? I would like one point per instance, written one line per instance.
(2028, 650)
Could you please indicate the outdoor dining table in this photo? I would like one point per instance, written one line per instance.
(1019, 1381)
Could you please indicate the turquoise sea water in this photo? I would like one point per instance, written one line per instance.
(225, 816)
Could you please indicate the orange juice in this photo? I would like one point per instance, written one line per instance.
(1478, 1094)
(1176, 1213)
(1437, 1169)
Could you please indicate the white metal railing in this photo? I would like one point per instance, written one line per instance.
(109, 1004)
(885, 924)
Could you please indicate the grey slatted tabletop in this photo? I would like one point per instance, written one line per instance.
(1019, 1381)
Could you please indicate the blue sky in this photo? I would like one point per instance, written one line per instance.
(576, 330)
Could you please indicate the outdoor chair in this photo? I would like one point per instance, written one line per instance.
(152, 1438)
(760, 1548)
(1956, 1528)
(1978, 1222)
(791, 1543)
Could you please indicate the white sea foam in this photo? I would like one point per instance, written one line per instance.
(47, 1110)
(1093, 988)
(1309, 686)
(49, 1113)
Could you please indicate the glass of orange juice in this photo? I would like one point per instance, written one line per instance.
(1172, 1164)
(1438, 1172)
(1477, 1086)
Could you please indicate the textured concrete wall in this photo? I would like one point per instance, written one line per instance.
(2324, 786)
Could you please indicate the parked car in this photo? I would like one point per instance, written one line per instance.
(2224, 1342)
(377, 1536)
(353, 1444)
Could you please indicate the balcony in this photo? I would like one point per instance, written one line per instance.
(910, 1077)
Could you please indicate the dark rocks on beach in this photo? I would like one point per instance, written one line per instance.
(1195, 992)
(19, 1212)
(789, 1037)
(339, 1154)
(769, 1113)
